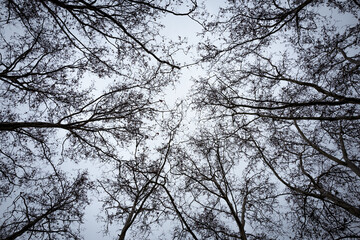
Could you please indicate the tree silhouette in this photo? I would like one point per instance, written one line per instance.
(56, 57)
(286, 77)
(48, 209)
(227, 196)
(275, 150)
(134, 191)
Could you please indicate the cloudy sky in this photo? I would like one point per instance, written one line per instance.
(256, 112)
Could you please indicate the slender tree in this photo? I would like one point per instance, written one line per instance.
(47, 209)
(227, 196)
(134, 190)
(286, 75)
(77, 80)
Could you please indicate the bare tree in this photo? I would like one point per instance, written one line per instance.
(56, 58)
(225, 196)
(287, 77)
(47, 209)
(134, 189)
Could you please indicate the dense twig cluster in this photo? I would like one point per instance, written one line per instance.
(276, 153)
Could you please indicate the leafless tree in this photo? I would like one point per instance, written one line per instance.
(286, 75)
(225, 195)
(134, 189)
(54, 57)
(47, 209)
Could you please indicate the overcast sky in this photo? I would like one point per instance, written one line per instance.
(175, 27)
